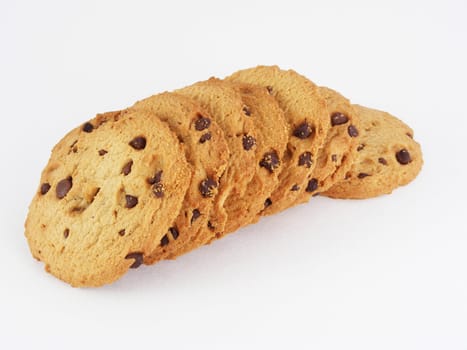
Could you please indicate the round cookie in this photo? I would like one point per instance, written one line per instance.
(206, 150)
(108, 194)
(339, 150)
(226, 107)
(271, 141)
(305, 112)
(387, 157)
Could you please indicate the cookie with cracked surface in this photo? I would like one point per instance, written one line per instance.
(387, 157)
(111, 189)
(226, 107)
(206, 150)
(271, 141)
(305, 111)
(339, 149)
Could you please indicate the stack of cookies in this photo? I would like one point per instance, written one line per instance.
(180, 169)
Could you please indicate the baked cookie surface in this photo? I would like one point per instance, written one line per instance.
(207, 152)
(387, 157)
(305, 111)
(110, 191)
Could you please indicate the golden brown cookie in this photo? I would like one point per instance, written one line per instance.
(271, 141)
(110, 191)
(207, 151)
(387, 157)
(225, 105)
(305, 112)
(339, 150)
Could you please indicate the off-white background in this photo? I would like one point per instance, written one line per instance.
(387, 273)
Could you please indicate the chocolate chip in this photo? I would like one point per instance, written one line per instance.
(248, 142)
(164, 241)
(247, 110)
(174, 232)
(207, 186)
(312, 185)
(88, 127)
(211, 226)
(305, 159)
(267, 202)
(122, 232)
(63, 187)
(362, 175)
(205, 137)
(195, 215)
(138, 143)
(270, 161)
(127, 168)
(45, 187)
(303, 131)
(138, 259)
(102, 152)
(202, 123)
(158, 190)
(383, 161)
(360, 147)
(269, 88)
(295, 187)
(156, 179)
(334, 157)
(352, 130)
(338, 119)
(403, 157)
(66, 233)
(131, 201)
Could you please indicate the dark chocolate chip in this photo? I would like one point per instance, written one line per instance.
(207, 186)
(202, 123)
(138, 142)
(334, 157)
(247, 110)
(66, 233)
(138, 259)
(362, 175)
(338, 119)
(312, 185)
(403, 157)
(174, 232)
(164, 241)
(295, 187)
(211, 226)
(63, 187)
(45, 187)
(127, 168)
(360, 147)
(122, 232)
(205, 137)
(158, 190)
(270, 161)
(156, 179)
(131, 201)
(267, 202)
(195, 215)
(248, 142)
(383, 161)
(303, 131)
(269, 88)
(102, 152)
(88, 127)
(352, 130)
(305, 159)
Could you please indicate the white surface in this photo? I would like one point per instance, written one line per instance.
(387, 273)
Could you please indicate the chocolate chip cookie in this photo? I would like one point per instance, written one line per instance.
(108, 195)
(226, 107)
(387, 157)
(207, 152)
(305, 111)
